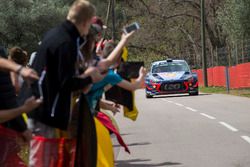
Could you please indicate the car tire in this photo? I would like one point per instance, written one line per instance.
(149, 96)
(194, 93)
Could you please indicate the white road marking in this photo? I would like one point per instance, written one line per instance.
(246, 138)
(191, 109)
(229, 126)
(178, 104)
(208, 116)
(168, 100)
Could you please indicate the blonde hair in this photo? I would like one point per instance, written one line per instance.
(81, 11)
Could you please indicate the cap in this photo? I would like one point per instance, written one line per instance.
(97, 23)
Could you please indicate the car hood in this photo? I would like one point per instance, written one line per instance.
(166, 76)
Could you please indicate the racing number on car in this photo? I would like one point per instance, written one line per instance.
(166, 87)
(172, 86)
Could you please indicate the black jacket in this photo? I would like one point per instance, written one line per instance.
(58, 55)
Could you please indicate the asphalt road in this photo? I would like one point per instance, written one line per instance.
(209, 130)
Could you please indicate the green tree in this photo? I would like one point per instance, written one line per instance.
(172, 29)
(23, 22)
(234, 18)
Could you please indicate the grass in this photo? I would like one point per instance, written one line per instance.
(237, 92)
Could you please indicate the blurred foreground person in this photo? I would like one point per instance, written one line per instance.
(11, 129)
(63, 71)
(6, 89)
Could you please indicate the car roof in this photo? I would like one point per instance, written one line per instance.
(166, 61)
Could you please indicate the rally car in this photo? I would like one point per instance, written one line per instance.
(170, 77)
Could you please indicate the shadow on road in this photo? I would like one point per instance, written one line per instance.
(141, 163)
(139, 144)
(135, 144)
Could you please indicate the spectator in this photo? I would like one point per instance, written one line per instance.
(112, 78)
(60, 62)
(98, 26)
(5, 113)
(59, 57)
(9, 108)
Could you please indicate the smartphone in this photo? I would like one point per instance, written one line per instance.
(131, 27)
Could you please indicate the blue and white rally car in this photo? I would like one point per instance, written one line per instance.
(171, 77)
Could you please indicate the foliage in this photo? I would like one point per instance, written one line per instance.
(169, 28)
(23, 22)
(234, 17)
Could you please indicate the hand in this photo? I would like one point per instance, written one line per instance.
(142, 72)
(29, 74)
(140, 80)
(128, 35)
(30, 104)
(115, 108)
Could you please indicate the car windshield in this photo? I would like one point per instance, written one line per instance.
(170, 67)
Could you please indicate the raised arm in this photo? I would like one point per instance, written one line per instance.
(115, 54)
(26, 73)
(135, 85)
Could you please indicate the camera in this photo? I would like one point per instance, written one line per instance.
(131, 27)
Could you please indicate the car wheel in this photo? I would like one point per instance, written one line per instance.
(148, 96)
(194, 93)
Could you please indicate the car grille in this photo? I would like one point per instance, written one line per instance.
(176, 86)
